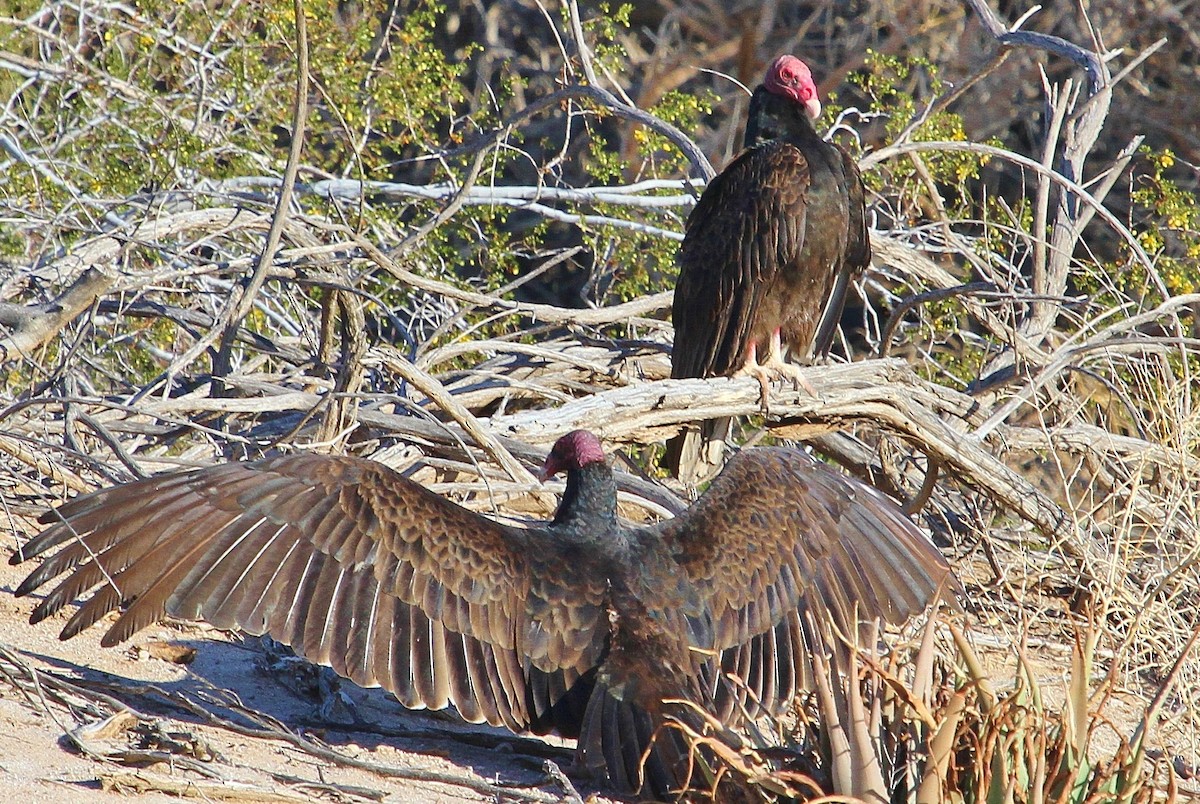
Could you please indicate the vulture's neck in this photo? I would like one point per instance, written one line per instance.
(589, 505)
(772, 117)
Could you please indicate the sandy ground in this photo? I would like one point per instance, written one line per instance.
(38, 764)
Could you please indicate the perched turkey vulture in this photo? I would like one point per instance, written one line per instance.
(579, 625)
(767, 257)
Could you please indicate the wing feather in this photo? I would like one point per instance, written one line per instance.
(350, 563)
(748, 224)
(779, 534)
(857, 254)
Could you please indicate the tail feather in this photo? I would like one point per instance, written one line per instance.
(626, 748)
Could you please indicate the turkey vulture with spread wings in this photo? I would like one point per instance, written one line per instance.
(767, 256)
(580, 625)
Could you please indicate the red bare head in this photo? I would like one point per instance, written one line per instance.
(791, 78)
(575, 450)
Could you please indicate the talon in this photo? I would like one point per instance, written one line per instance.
(764, 401)
(751, 368)
(775, 367)
(778, 366)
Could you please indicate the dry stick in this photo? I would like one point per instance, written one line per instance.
(581, 48)
(140, 781)
(36, 324)
(242, 301)
(39, 461)
(890, 250)
(523, 195)
(1082, 130)
(1006, 37)
(585, 53)
(340, 416)
(313, 786)
(1069, 184)
(1110, 178)
(1058, 99)
(825, 680)
(935, 196)
(437, 394)
(1168, 685)
(1068, 351)
(538, 312)
(526, 198)
(114, 444)
(456, 350)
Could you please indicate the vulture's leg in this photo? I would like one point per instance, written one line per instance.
(774, 368)
(777, 367)
(751, 368)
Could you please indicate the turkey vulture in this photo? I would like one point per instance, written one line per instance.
(767, 256)
(579, 625)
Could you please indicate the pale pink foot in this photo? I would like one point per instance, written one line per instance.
(772, 369)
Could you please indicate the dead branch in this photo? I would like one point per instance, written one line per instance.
(35, 324)
(241, 302)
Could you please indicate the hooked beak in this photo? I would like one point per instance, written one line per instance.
(813, 108)
(549, 469)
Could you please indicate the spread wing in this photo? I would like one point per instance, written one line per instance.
(348, 562)
(748, 224)
(778, 535)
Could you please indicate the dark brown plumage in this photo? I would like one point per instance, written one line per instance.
(767, 256)
(579, 625)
